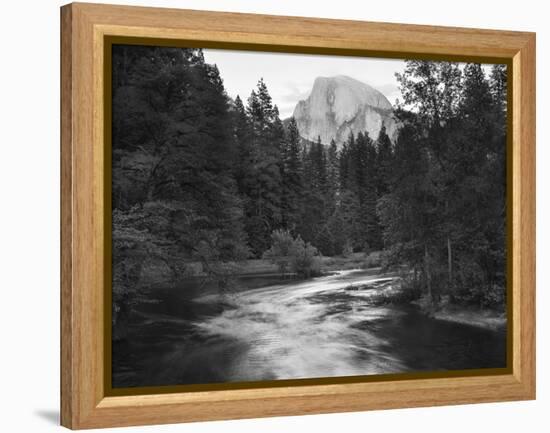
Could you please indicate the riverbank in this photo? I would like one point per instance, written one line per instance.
(247, 275)
(473, 316)
(389, 291)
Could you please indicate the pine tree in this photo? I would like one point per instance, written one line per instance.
(344, 162)
(475, 108)
(312, 226)
(365, 183)
(347, 214)
(293, 177)
(242, 133)
(407, 212)
(498, 85)
(318, 163)
(264, 212)
(483, 169)
(383, 161)
(332, 176)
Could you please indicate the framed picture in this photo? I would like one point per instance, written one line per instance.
(265, 215)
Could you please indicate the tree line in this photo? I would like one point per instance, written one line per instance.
(444, 214)
(325, 196)
(201, 178)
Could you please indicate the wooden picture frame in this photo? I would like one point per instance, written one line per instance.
(85, 28)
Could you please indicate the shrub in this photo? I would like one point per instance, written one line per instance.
(282, 244)
(411, 287)
(292, 253)
(305, 259)
(373, 260)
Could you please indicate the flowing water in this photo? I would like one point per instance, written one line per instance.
(326, 326)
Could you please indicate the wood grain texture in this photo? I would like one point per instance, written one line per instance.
(67, 395)
(84, 26)
(524, 103)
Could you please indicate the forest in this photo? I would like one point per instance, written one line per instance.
(204, 184)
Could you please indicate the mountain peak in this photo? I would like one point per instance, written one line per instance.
(339, 105)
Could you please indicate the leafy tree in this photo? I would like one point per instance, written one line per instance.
(443, 209)
(433, 90)
(287, 251)
(282, 248)
(175, 198)
(305, 260)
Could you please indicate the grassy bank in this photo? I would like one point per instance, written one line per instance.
(392, 291)
(328, 264)
(158, 273)
(486, 318)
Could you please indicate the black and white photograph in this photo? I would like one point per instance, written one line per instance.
(283, 216)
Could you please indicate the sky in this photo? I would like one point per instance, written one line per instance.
(289, 77)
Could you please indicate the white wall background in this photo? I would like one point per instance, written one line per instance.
(29, 216)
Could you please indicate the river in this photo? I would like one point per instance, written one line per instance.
(322, 327)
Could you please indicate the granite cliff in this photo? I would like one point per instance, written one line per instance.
(339, 105)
